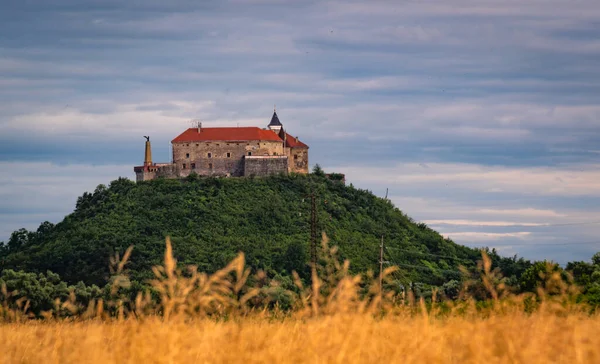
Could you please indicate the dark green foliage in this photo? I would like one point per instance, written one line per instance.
(596, 260)
(335, 176)
(536, 275)
(318, 171)
(511, 267)
(587, 276)
(451, 289)
(212, 219)
(41, 290)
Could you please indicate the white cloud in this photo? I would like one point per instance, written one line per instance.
(539, 8)
(523, 212)
(481, 223)
(571, 180)
(472, 236)
(124, 120)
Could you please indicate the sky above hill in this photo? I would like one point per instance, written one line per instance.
(482, 117)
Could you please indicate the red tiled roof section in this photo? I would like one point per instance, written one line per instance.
(226, 134)
(293, 142)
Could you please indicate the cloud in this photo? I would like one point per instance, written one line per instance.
(572, 180)
(485, 237)
(481, 115)
(524, 212)
(35, 192)
(481, 223)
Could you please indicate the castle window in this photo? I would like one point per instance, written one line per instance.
(209, 165)
(209, 155)
(218, 145)
(228, 155)
(193, 165)
(197, 145)
(184, 166)
(187, 155)
(295, 156)
(187, 145)
(249, 153)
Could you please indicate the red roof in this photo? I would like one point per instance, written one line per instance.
(226, 134)
(292, 142)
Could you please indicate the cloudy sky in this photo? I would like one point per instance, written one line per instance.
(482, 117)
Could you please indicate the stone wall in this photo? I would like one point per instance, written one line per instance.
(167, 171)
(260, 166)
(143, 175)
(220, 158)
(161, 170)
(298, 160)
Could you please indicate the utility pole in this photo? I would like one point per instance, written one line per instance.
(313, 230)
(381, 255)
(381, 266)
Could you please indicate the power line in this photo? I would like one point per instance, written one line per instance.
(422, 267)
(430, 254)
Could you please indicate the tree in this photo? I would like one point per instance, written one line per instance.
(41, 290)
(18, 239)
(296, 259)
(539, 275)
(596, 259)
(451, 289)
(318, 171)
(581, 271)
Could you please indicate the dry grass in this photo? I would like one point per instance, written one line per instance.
(541, 338)
(207, 318)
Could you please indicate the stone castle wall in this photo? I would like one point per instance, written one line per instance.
(261, 166)
(297, 160)
(220, 158)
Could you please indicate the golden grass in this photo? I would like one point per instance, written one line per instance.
(340, 318)
(354, 338)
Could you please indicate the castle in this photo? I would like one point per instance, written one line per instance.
(229, 152)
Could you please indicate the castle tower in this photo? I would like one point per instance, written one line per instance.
(148, 154)
(275, 124)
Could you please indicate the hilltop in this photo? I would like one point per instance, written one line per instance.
(212, 219)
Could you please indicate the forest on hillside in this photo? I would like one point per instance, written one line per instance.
(211, 220)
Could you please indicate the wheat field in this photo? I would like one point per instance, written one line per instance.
(340, 318)
(543, 338)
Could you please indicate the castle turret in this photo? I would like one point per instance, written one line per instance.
(275, 124)
(148, 154)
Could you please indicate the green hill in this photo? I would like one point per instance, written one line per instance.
(210, 220)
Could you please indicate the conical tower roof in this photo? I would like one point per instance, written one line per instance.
(275, 120)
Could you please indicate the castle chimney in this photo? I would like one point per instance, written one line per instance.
(148, 155)
(199, 127)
